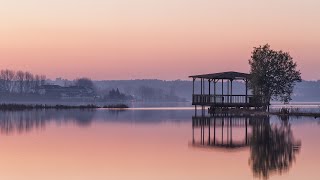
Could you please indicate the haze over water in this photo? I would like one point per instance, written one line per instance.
(145, 144)
(148, 42)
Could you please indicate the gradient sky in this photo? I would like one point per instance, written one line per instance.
(166, 39)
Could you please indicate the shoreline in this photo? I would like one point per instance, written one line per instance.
(283, 112)
(17, 107)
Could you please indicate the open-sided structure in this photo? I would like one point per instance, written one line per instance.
(225, 97)
(219, 132)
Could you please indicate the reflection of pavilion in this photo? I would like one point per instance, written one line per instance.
(273, 147)
(219, 131)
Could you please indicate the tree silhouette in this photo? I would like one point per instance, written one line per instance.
(273, 73)
(84, 82)
(273, 149)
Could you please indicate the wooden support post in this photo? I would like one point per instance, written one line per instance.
(215, 89)
(193, 100)
(246, 131)
(246, 91)
(194, 79)
(209, 81)
(228, 91)
(222, 130)
(214, 129)
(209, 131)
(231, 129)
(203, 132)
(201, 86)
(201, 97)
(228, 125)
(193, 131)
(231, 91)
(222, 91)
(204, 89)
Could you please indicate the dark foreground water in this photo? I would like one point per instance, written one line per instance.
(158, 143)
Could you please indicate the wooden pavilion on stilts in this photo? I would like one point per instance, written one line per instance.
(224, 98)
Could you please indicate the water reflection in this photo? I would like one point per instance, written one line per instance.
(25, 121)
(223, 127)
(270, 142)
(273, 148)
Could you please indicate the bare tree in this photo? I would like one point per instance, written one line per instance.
(20, 82)
(29, 81)
(36, 81)
(42, 80)
(7, 77)
(20, 78)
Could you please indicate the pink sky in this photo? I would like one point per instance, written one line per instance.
(165, 39)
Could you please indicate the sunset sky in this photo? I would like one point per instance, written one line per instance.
(164, 39)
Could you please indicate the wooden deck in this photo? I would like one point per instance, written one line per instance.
(225, 100)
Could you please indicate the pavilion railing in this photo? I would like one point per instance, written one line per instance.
(219, 99)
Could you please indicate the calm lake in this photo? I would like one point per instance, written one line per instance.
(155, 143)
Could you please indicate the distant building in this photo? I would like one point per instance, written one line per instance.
(71, 92)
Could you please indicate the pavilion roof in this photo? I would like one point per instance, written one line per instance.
(232, 75)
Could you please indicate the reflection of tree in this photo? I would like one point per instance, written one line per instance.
(84, 117)
(24, 121)
(20, 121)
(273, 148)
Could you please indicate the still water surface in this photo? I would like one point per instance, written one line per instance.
(158, 143)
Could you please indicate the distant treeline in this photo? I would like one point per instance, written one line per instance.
(116, 95)
(20, 82)
(20, 85)
(177, 90)
(152, 90)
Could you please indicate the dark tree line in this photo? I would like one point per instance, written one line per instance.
(20, 82)
(84, 82)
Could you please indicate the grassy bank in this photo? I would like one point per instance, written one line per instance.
(279, 112)
(295, 112)
(14, 107)
(116, 106)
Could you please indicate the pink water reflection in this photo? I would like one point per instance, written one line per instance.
(124, 149)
